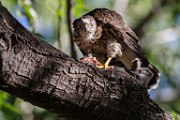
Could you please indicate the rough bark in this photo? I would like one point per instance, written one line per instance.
(35, 71)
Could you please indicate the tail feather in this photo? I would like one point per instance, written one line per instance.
(154, 82)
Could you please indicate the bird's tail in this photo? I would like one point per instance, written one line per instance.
(154, 82)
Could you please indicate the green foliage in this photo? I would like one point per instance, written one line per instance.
(7, 110)
(28, 10)
(79, 8)
(175, 115)
(61, 8)
(9, 3)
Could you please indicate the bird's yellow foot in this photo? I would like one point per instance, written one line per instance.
(99, 65)
(95, 61)
(105, 66)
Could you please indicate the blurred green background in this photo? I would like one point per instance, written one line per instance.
(156, 22)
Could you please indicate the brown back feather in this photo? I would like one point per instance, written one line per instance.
(113, 20)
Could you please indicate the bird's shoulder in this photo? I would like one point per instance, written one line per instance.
(113, 25)
(110, 19)
(105, 16)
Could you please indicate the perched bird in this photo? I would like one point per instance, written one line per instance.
(102, 33)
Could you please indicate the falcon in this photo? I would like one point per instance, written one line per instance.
(103, 34)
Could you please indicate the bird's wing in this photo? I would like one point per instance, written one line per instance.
(112, 18)
(114, 21)
(130, 42)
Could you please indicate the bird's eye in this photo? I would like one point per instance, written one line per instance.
(91, 19)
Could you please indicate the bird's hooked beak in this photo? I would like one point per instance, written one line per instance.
(86, 25)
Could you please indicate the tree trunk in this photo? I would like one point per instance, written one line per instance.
(35, 71)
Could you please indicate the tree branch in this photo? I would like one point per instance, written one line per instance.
(153, 12)
(59, 20)
(46, 77)
(69, 22)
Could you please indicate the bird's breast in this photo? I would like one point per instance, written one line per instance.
(96, 46)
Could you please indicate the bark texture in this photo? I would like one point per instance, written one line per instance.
(35, 71)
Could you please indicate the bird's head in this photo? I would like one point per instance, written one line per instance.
(85, 26)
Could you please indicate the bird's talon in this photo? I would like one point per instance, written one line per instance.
(108, 67)
(99, 65)
(104, 66)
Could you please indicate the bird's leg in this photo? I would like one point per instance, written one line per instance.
(113, 50)
(105, 65)
(136, 64)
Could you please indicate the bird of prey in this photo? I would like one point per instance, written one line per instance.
(102, 33)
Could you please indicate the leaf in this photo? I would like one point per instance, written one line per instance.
(3, 97)
(11, 108)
